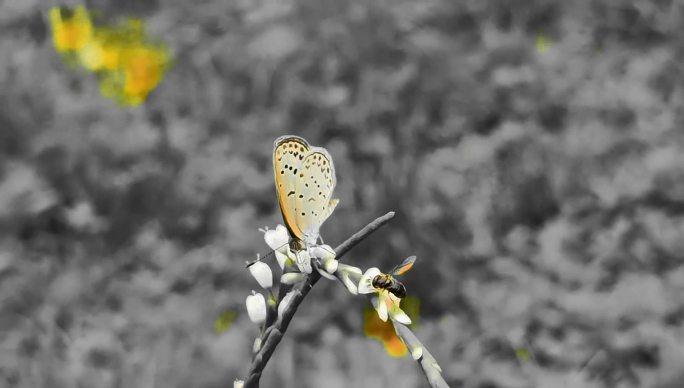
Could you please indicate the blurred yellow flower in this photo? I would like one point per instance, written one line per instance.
(128, 65)
(383, 331)
(143, 69)
(102, 53)
(72, 29)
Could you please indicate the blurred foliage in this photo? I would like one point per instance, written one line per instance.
(128, 64)
(224, 321)
(542, 191)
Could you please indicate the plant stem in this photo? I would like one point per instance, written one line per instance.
(432, 370)
(274, 334)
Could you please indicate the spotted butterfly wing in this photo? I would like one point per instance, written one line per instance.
(305, 179)
(288, 156)
(314, 188)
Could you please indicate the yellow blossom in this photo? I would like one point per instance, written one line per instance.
(71, 29)
(384, 332)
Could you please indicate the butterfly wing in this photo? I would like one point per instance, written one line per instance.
(315, 185)
(289, 153)
(404, 267)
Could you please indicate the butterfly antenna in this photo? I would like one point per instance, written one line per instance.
(269, 254)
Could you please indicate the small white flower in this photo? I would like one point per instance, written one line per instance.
(285, 303)
(278, 239)
(262, 273)
(326, 256)
(292, 278)
(348, 275)
(385, 303)
(366, 282)
(256, 307)
(323, 252)
(399, 315)
(238, 383)
(381, 308)
(330, 265)
(303, 261)
(282, 258)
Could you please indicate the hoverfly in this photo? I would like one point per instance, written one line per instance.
(389, 283)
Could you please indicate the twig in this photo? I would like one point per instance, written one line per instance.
(432, 370)
(274, 334)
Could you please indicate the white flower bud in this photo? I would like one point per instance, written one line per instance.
(417, 353)
(330, 265)
(292, 277)
(257, 345)
(238, 383)
(282, 258)
(323, 252)
(262, 273)
(278, 239)
(400, 316)
(285, 303)
(256, 307)
(348, 275)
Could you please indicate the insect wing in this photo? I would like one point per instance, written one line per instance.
(404, 267)
(288, 156)
(314, 187)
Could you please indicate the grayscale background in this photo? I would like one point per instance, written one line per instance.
(533, 152)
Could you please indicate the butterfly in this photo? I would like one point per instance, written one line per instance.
(305, 180)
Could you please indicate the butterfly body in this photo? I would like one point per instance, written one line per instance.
(389, 283)
(305, 180)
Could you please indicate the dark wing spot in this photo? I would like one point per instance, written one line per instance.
(301, 195)
(303, 214)
(290, 193)
(282, 172)
(295, 170)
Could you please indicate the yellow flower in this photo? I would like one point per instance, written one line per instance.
(72, 29)
(101, 53)
(104, 51)
(143, 70)
(384, 332)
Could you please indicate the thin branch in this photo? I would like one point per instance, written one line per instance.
(430, 367)
(274, 334)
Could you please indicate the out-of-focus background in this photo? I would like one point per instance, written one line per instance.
(533, 152)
